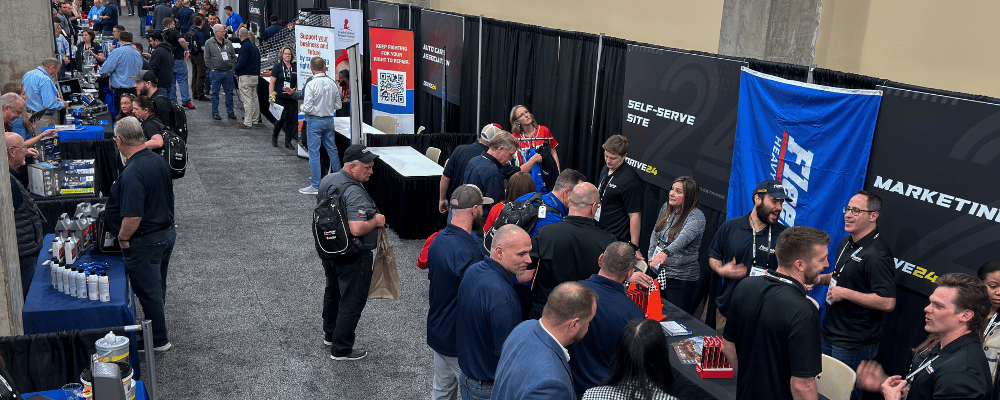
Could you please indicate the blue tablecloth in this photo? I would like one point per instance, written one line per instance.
(58, 394)
(86, 132)
(48, 310)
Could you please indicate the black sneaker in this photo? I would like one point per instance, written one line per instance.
(356, 354)
(232, 116)
(217, 117)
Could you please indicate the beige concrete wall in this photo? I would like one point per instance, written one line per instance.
(684, 24)
(27, 42)
(944, 45)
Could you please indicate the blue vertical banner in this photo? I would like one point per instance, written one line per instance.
(815, 139)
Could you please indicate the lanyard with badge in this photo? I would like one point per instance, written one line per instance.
(287, 72)
(754, 269)
(925, 365)
(990, 325)
(838, 268)
(605, 185)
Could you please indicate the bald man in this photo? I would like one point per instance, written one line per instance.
(488, 310)
(568, 250)
(27, 216)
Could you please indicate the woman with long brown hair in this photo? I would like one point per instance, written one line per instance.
(673, 247)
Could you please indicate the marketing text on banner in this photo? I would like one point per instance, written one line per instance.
(936, 163)
(312, 41)
(392, 75)
(441, 32)
(814, 139)
(349, 24)
(680, 118)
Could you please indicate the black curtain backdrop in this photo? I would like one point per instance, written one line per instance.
(571, 112)
(466, 117)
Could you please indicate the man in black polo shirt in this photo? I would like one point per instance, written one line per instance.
(747, 239)
(141, 209)
(620, 188)
(779, 349)
(862, 285)
(951, 363)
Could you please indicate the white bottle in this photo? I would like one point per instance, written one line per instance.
(57, 249)
(54, 271)
(81, 285)
(104, 287)
(92, 286)
(69, 250)
(62, 278)
(71, 282)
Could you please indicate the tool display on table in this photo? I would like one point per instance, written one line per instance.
(74, 237)
(713, 363)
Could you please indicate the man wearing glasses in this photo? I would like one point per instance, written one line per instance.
(27, 216)
(862, 285)
(485, 171)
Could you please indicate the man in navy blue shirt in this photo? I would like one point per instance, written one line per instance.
(592, 356)
(454, 169)
(484, 170)
(109, 17)
(247, 69)
(271, 30)
(488, 309)
(140, 210)
(454, 249)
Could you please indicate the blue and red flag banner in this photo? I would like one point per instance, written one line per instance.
(392, 75)
(815, 139)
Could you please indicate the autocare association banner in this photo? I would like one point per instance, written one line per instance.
(815, 140)
(392, 75)
(936, 164)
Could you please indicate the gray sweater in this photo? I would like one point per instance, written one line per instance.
(682, 262)
(213, 55)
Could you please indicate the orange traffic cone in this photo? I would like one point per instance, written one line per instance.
(654, 308)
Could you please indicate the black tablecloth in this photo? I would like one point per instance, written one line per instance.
(408, 203)
(108, 163)
(687, 383)
(53, 207)
(447, 142)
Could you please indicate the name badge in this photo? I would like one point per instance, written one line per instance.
(833, 283)
(597, 215)
(541, 212)
(225, 56)
(757, 271)
(287, 84)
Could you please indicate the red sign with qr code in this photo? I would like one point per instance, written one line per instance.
(392, 75)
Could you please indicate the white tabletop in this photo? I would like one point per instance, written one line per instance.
(343, 126)
(407, 161)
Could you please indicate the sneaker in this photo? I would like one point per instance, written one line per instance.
(309, 190)
(232, 116)
(327, 342)
(356, 354)
(163, 348)
(241, 126)
(217, 117)
(188, 105)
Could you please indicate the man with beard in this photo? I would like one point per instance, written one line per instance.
(146, 84)
(781, 349)
(747, 239)
(454, 249)
(535, 362)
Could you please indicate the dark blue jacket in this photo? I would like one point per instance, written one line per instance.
(484, 172)
(248, 61)
(448, 257)
(488, 309)
(533, 366)
(184, 15)
(270, 31)
(591, 357)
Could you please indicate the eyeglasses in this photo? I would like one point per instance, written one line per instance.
(855, 211)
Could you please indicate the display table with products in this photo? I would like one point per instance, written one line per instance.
(404, 185)
(58, 394)
(48, 310)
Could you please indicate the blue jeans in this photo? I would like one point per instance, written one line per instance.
(472, 390)
(225, 79)
(180, 81)
(131, 7)
(851, 357)
(347, 284)
(319, 130)
(146, 262)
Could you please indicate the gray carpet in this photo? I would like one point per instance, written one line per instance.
(245, 287)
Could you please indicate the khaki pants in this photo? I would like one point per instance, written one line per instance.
(248, 95)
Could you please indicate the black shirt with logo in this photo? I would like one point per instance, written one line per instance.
(735, 239)
(865, 267)
(772, 346)
(957, 371)
(621, 194)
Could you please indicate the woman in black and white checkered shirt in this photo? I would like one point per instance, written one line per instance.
(640, 368)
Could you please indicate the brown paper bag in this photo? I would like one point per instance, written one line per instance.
(385, 276)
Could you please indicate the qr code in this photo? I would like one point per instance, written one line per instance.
(392, 87)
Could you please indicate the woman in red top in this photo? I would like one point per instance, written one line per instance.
(518, 185)
(529, 134)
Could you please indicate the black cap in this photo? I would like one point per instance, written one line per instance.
(771, 187)
(359, 152)
(156, 36)
(146, 75)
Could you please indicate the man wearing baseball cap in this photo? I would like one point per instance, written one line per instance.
(454, 170)
(147, 84)
(348, 278)
(744, 246)
(454, 249)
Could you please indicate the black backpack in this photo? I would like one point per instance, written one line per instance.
(331, 232)
(192, 40)
(522, 213)
(180, 123)
(175, 152)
